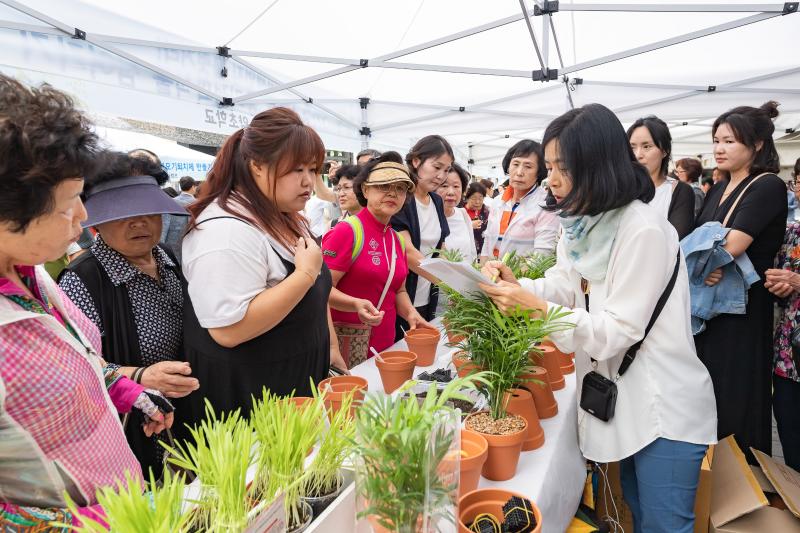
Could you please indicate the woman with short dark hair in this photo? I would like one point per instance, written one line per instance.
(60, 434)
(461, 237)
(737, 349)
(689, 170)
(651, 143)
(664, 416)
(518, 221)
(474, 203)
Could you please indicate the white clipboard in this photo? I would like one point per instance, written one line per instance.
(460, 277)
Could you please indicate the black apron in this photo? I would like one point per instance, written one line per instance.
(281, 360)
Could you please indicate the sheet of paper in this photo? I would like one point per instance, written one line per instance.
(461, 277)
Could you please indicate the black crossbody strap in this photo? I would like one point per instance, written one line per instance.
(630, 355)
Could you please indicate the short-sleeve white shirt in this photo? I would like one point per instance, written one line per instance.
(227, 263)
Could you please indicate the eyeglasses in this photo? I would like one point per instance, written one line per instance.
(385, 188)
(792, 184)
(346, 188)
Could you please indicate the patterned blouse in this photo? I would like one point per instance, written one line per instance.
(157, 305)
(789, 259)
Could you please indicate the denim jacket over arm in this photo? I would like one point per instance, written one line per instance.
(704, 253)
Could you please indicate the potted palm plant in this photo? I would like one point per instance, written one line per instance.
(500, 343)
(407, 459)
(285, 431)
(129, 509)
(220, 454)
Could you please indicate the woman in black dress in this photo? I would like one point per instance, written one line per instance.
(257, 311)
(737, 349)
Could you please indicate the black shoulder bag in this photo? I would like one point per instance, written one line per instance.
(598, 393)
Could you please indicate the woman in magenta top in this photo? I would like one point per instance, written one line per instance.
(359, 253)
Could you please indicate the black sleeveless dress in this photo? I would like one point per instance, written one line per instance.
(281, 360)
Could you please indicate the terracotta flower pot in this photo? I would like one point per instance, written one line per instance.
(503, 454)
(452, 338)
(565, 359)
(489, 501)
(396, 368)
(543, 398)
(335, 388)
(551, 361)
(464, 365)
(520, 402)
(475, 450)
(423, 342)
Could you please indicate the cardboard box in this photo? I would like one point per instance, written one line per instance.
(738, 500)
(609, 497)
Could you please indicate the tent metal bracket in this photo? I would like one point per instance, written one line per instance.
(79, 34)
(790, 7)
(548, 8)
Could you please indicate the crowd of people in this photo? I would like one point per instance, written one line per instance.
(155, 301)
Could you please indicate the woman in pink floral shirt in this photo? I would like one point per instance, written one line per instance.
(59, 402)
(784, 282)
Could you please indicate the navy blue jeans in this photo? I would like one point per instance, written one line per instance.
(659, 483)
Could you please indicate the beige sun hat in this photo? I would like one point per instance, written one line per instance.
(389, 172)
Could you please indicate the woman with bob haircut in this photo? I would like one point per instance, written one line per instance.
(651, 143)
(60, 435)
(363, 251)
(518, 221)
(690, 170)
(422, 222)
(737, 349)
(461, 238)
(257, 313)
(665, 412)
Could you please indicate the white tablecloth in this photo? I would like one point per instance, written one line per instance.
(554, 475)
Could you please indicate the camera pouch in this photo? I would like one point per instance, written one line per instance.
(598, 396)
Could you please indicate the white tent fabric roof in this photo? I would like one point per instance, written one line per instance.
(686, 62)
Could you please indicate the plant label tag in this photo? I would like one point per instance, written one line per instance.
(270, 520)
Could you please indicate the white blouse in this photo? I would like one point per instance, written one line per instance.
(667, 391)
(461, 237)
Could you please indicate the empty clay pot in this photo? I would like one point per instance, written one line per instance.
(489, 501)
(423, 342)
(503, 456)
(520, 402)
(335, 388)
(475, 451)
(543, 398)
(565, 359)
(550, 360)
(396, 367)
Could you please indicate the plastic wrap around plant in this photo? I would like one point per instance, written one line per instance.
(408, 460)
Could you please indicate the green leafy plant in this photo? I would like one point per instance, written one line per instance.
(286, 432)
(222, 451)
(400, 445)
(531, 266)
(500, 343)
(129, 509)
(336, 444)
(454, 256)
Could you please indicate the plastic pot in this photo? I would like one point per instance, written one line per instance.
(308, 516)
(396, 367)
(520, 402)
(543, 398)
(475, 450)
(489, 501)
(320, 503)
(503, 454)
(335, 388)
(423, 342)
(551, 361)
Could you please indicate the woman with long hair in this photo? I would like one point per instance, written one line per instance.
(664, 416)
(737, 349)
(257, 313)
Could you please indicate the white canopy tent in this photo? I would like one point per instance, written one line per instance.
(380, 73)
